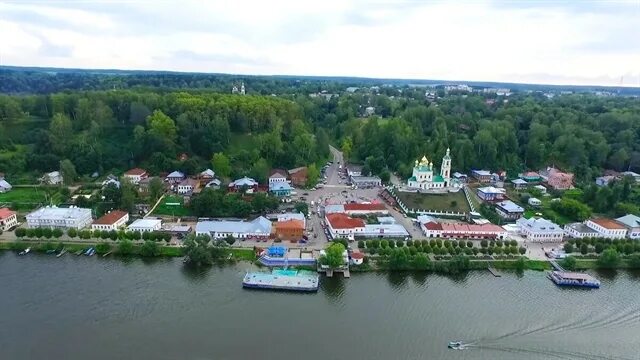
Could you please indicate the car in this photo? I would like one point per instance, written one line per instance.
(305, 194)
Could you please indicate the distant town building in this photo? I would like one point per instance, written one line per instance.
(580, 231)
(207, 175)
(188, 186)
(238, 90)
(425, 176)
(59, 218)
(632, 223)
(530, 176)
(259, 228)
(369, 111)
(539, 230)
(298, 176)
(604, 180)
(52, 178)
(292, 216)
(599, 227)
(519, 184)
(557, 179)
(534, 201)
(490, 193)
(291, 230)
(214, 184)
(434, 229)
(509, 210)
(278, 176)
(483, 176)
(354, 170)
(145, 225)
(4, 185)
(175, 177)
(280, 189)
(8, 219)
(245, 182)
(113, 220)
(364, 182)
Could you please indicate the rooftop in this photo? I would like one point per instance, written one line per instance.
(259, 225)
(278, 173)
(110, 218)
(135, 172)
(519, 182)
(539, 224)
(629, 220)
(492, 190)
(509, 206)
(608, 223)
(189, 182)
(290, 216)
(5, 213)
(289, 224)
(581, 228)
(482, 172)
(56, 213)
(176, 174)
(244, 181)
(208, 173)
(298, 169)
(342, 221)
(145, 223)
(389, 229)
(364, 207)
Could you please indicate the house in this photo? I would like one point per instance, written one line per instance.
(366, 182)
(8, 219)
(278, 176)
(292, 216)
(354, 170)
(113, 220)
(175, 178)
(483, 176)
(135, 175)
(509, 210)
(207, 175)
(579, 231)
(59, 218)
(607, 228)
(357, 258)
(519, 184)
(298, 176)
(4, 185)
(433, 229)
(214, 184)
(530, 176)
(280, 188)
(385, 230)
(534, 201)
(632, 223)
(188, 186)
(145, 225)
(635, 176)
(52, 178)
(259, 228)
(490, 193)
(291, 230)
(245, 182)
(604, 180)
(539, 230)
(460, 176)
(557, 179)
(344, 226)
(542, 189)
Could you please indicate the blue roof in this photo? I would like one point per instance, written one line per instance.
(276, 250)
(280, 186)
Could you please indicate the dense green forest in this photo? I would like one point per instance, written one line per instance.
(151, 125)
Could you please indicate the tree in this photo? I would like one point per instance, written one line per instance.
(68, 171)
(128, 197)
(399, 260)
(156, 188)
(103, 248)
(522, 250)
(150, 248)
(125, 247)
(312, 175)
(57, 233)
(609, 258)
(584, 249)
(568, 248)
(230, 239)
(60, 131)
(346, 148)
(21, 232)
(162, 126)
(221, 165)
(334, 256)
(302, 207)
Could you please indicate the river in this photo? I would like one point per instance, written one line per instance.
(94, 308)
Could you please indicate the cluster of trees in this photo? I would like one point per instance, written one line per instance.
(599, 245)
(442, 247)
(46, 233)
(202, 251)
(218, 203)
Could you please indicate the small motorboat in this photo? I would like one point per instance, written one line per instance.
(62, 252)
(51, 251)
(25, 251)
(456, 345)
(90, 252)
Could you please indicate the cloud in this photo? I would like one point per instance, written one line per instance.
(559, 42)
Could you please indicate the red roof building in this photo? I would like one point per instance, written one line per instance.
(354, 208)
(8, 219)
(111, 221)
(434, 229)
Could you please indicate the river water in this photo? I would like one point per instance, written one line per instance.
(94, 308)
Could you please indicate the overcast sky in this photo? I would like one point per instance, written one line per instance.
(581, 42)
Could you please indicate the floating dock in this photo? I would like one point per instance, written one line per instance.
(290, 280)
(564, 278)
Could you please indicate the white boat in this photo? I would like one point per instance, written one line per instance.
(25, 251)
(456, 345)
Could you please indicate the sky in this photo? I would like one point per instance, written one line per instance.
(545, 42)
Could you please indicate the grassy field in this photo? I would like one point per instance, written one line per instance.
(172, 210)
(436, 202)
(27, 198)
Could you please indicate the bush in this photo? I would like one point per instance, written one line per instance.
(438, 243)
(360, 244)
(514, 243)
(85, 234)
(230, 240)
(599, 248)
(392, 244)
(113, 235)
(628, 249)
(584, 249)
(522, 250)
(412, 250)
(96, 234)
(499, 243)
(384, 244)
(146, 235)
(410, 243)
(57, 233)
(104, 234)
(568, 263)
(373, 244)
(492, 244)
(432, 243)
(150, 248)
(609, 259)
(400, 243)
(37, 232)
(484, 243)
(427, 249)
(47, 233)
(125, 247)
(135, 235)
(21, 232)
(446, 243)
(103, 248)
(568, 248)
(498, 250)
(469, 244)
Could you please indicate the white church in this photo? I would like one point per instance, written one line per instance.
(426, 177)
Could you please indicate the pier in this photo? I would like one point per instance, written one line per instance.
(556, 266)
(494, 272)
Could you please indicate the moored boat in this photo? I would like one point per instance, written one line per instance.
(564, 278)
(25, 251)
(62, 252)
(90, 251)
(456, 345)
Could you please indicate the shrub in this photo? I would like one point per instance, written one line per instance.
(425, 243)
(400, 243)
(522, 250)
(475, 251)
(628, 249)
(438, 243)
(103, 248)
(57, 233)
(384, 244)
(85, 234)
(469, 244)
(104, 234)
(135, 235)
(360, 244)
(21, 232)
(584, 249)
(38, 232)
(125, 247)
(410, 243)
(514, 243)
(113, 235)
(230, 240)
(484, 243)
(432, 243)
(499, 243)
(150, 248)
(447, 243)
(30, 233)
(146, 235)
(392, 244)
(568, 248)
(498, 250)
(427, 249)
(490, 250)
(96, 234)
(492, 244)
(374, 244)
(599, 248)
(568, 263)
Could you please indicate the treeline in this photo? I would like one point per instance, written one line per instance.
(105, 130)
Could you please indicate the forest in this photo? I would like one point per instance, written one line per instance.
(111, 130)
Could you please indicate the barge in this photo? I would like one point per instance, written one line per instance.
(290, 280)
(563, 278)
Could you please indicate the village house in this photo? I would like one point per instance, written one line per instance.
(539, 230)
(278, 176)
(135, 175)
(214, 184)
(8, 219)
(490, 193)
(354, 170)
(344, 226)
(530, 176)
(52, 178)
(483, 176)
(291, 230)
(632, 223)
(635, 176)
(4, 185)
(188, 186)
(292, 216)
(298, 176)
(280, 189)
(534, 201)
(460, 177)
(604, 180)
(607, 228)
(542, 189)
(175, 177)
(519, 184)
(245, 182)
(557, 179)
(207, 175)
(145, 225)
(113, 220)
(59, 218)
(357, 258)
(509, 210)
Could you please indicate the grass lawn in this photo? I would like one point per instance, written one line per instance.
(27, 198)
(456, 202)
(172, 210)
